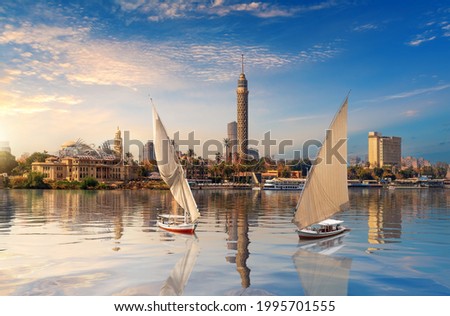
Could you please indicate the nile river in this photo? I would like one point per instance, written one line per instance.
(107, 243)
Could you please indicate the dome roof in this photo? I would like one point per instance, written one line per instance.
(69, 143)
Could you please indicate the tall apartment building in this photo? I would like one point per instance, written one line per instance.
(149, 151)
(230, 152)
(384, 150)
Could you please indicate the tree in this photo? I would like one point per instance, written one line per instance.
(89, 183)
(218, 158)
(227, 144)
(25, 166)
(7, 162)
(35, 180)
(365, 174)
(378, 172)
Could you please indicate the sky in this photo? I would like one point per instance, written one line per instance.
(81, 69)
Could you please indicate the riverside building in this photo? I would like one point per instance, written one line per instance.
(384, 150)
(77, 161)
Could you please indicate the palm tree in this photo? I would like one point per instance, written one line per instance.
(218, 157)
(227, 144)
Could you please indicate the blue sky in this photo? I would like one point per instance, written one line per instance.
(79, 70)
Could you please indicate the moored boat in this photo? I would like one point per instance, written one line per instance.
(284, 184)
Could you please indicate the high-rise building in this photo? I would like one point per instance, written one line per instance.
(149, 151)
(242, 114)
(384, 150)
(231, 149)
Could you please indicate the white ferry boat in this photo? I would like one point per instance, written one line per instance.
(284, 184)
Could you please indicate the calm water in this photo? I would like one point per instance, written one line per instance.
(106, 243)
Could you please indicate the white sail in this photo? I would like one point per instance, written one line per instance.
(326, 192)
(171, 170)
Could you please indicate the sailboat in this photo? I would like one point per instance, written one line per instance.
(326, 190)
(172, 173)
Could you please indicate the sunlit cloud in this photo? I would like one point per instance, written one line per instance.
(14, 102)
(66, 53)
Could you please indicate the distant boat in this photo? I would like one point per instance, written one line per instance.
(172, 173)
(284, 184)
(326, 189)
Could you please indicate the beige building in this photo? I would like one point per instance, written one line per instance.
(78, 168)
(384, 150)
(78, 161)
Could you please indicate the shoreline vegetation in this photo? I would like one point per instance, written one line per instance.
(37, 181)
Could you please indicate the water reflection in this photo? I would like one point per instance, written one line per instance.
(384, 219)
(320, 273)
(180, 274)
(107, 243)
(6, 212)
(387, 211)
(238, 240)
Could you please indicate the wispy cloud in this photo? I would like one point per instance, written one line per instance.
(17, 102)
(408, 94)
(157, 11)
(319, 52)
(436, 27)
(410, 113)
(365, 27)
(300, 118)
(74, 55)
(420, 40)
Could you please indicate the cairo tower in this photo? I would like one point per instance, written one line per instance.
(242, 114)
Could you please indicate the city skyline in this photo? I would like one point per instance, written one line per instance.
(79, 70)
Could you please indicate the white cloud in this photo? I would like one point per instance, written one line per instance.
(412, 93)
(157, 10)
(365, 27)
(421, 40)
(71, 54)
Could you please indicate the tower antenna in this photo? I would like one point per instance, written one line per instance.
(242, 57)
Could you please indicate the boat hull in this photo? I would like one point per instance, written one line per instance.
(185, 228)
(315, 234)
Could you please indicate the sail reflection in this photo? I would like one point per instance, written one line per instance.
(320, 273)
(179, 276)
